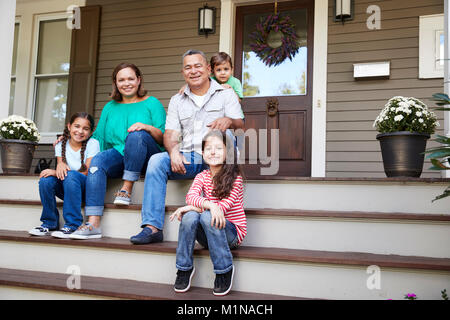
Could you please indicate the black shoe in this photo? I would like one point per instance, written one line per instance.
(183, 281)
(223, 283)
(147, 236)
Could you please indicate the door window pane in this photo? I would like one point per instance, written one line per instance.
(287, 78)
(51, 99)
(54, 47)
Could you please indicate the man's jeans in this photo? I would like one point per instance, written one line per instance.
(71, 190)
(196, 226)
(155, 185)
(139, 147)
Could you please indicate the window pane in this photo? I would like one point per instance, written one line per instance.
(16, 41)
(51, 99)
(54, 47)
(11, 96)
(287, 78)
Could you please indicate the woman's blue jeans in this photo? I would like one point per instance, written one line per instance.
(196, 226)
(139, 147)
(71, 191)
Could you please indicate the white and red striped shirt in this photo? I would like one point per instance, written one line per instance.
(232, 206)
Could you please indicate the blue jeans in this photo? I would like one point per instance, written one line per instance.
(196, 226)
(71, 190)
(155, 185)
(139, 147)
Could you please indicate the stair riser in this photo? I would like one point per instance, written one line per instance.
(294, 279)
(418, 238)
(305, 195)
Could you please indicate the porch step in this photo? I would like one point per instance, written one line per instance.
(348, 194)
(55, 285)
(297, 273)
(371, 232)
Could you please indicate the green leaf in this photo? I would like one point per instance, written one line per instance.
(436, 163)
(441, 99)
(444, 153)
(445, 194)
(442, 139)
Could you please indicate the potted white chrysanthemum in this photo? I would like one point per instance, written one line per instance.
(19, 137)
(405, 125)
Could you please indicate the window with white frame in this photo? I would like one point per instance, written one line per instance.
(13, 69)
(431, 46)
(50, 73)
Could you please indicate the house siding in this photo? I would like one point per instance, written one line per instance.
(153, 35)
(351, 146)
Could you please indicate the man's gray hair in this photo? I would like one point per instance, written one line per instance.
(191, 52)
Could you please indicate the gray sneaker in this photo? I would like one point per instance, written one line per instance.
(87, 231)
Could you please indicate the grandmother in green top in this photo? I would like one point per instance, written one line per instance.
(130, 131)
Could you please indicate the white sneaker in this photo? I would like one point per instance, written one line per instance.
(39, 231)
(64, 233)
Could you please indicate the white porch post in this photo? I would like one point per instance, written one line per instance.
(446, 173)
(7, 20)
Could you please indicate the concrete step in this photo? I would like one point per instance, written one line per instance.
(297, 273)
(23, 284)
(371, 232)
(343, 194)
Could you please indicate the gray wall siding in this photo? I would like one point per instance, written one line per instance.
(352, 106)
(153, 35)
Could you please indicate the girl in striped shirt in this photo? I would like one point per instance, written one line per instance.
(214, 215)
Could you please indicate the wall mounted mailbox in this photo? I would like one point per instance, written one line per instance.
(370, 70)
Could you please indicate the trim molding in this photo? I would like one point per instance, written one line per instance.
(319, 98)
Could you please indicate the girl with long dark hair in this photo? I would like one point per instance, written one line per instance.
(214, 215)
(68, 182)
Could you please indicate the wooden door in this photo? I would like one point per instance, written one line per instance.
(277, 98)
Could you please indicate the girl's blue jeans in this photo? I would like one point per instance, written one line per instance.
(196, 226)
(139, 147)
(71, 191)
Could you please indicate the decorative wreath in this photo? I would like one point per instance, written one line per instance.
(277, 23)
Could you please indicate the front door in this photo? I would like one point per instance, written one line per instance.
(277, 98)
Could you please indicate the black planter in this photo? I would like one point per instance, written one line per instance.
(402, 153)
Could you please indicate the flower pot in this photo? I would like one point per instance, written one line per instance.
(17, 155)
(402, 153)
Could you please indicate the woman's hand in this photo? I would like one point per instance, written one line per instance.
(61, 170)
(138, 126)
(47, 173)
(181, 211)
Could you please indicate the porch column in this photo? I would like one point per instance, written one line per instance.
(446, 173)
(7, 21)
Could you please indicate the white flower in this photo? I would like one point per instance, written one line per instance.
(398, 117)
(420, 120)
(11, 132)
(4, 128)
(418, 113)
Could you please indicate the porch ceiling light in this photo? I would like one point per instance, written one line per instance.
(343, 10)
(206, 20)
